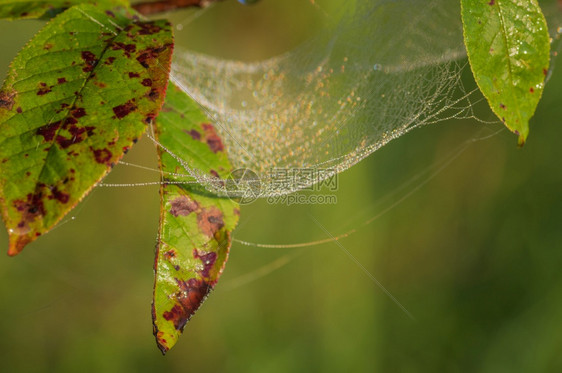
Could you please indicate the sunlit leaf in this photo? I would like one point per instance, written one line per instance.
(195, 225)
(23, 9)
(76, 98)
(508, 48)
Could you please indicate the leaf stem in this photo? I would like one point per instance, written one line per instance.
(154, 7)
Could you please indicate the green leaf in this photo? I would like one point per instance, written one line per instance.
(76, 98)
(509, 49)
(22, 9)
(195, 225)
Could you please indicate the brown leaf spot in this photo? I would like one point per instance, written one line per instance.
(148, 56)
(90, 60)
(183, 205)
(78, 112)
(147, 82)
(64, 142)
(212, 138)
(195, 135)
(49, 131)
(126, 48)
(148, 28)
(192, 293)
(60, 196)
(69, 121)
(109, 60)
(31, 208)
(210, 221)
(77, 134)
(122, 111)
(7, 100)
(61, 80)
(153, 94)
(102, 156)
(134, 75)
(208, 260)
(149, 118)
(44, 89)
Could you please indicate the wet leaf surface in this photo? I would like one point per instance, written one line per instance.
(195, 225)
(76, 98)
(509, 49)
(14, 9)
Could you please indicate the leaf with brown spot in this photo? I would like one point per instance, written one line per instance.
(195, 225)
(50, 109)
(508, 48)
(24, 9)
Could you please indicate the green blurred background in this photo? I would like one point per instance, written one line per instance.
(474, 254)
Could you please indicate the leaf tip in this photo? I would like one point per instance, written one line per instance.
(163, 344)
(162, 348)
(522, 137)
(17, 243)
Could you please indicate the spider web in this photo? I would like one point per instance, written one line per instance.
(382, 69)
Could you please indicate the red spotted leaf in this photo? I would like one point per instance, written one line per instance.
(25, 9)
(195, 225)
(508, 48)
(76, 98)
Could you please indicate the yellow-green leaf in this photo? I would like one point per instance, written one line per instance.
(76, 98)
(195, 225)
(508, 49)
(24, 9)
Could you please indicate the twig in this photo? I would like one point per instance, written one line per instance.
(153, 7)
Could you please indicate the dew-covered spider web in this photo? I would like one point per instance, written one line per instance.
(378, 69)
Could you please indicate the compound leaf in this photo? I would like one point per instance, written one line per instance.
(508, 49)
(76, 98)
(195, 225)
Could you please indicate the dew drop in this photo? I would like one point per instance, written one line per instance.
(377, 67)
